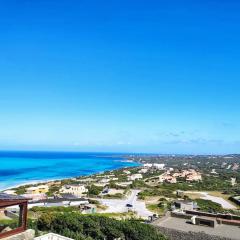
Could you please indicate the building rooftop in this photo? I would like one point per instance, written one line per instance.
(52, 236)
(223, 230)
(56, 200)
(11, 197)
(184, 201)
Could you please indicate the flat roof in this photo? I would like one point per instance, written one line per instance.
(11, 197)
(184, 201)
(58, 200)
(223, 230)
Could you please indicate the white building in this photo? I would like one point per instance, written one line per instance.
(159, 166)
(35, 196)
(12, 192)
(148, 165)
(104, 180)
(233, 181)
(135, 177)
(143, 170)
(77, 190)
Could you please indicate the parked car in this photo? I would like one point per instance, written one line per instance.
(129, 205)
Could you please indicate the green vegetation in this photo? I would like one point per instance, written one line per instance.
(12, 223)
(138, 184)
(94, 190)
(88, 227)
(20, 190)
(208, 183)
(53, 190)
(156, 191)
(161, 207)
(209, 206)
(114, 196)
(54, 209)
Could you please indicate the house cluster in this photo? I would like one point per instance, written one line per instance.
(167, 177)
(40, 192)
(147, 167)
(189, 175)
(68, 195)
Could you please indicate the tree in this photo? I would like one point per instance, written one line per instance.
(94, 190)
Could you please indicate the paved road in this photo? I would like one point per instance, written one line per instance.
(119, 205)
(225, 204)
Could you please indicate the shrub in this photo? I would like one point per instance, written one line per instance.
(80, 227)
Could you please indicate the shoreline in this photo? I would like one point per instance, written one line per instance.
(35, 182)
(31, 183)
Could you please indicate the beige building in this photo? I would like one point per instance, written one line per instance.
(37, 189)
(77, 190)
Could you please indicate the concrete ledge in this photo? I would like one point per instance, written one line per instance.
(52, 236)
(27, 235)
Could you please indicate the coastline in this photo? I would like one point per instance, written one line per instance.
(44, 181)
(29, 168)
(32, 183)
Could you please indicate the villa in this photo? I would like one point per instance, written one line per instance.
(77, 190)
(38, 189)
(134, 177)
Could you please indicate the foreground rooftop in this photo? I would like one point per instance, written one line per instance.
(227, 231)
(52, 236)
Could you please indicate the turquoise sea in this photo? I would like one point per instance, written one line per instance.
(26, 167)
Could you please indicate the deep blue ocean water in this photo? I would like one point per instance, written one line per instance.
(23, 167)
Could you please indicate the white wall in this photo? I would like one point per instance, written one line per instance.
(52, 236)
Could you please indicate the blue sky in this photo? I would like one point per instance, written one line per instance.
(125, 76)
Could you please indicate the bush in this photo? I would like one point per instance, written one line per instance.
(94, 190)
(55, 209)
(209, 206)
(80, 227)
